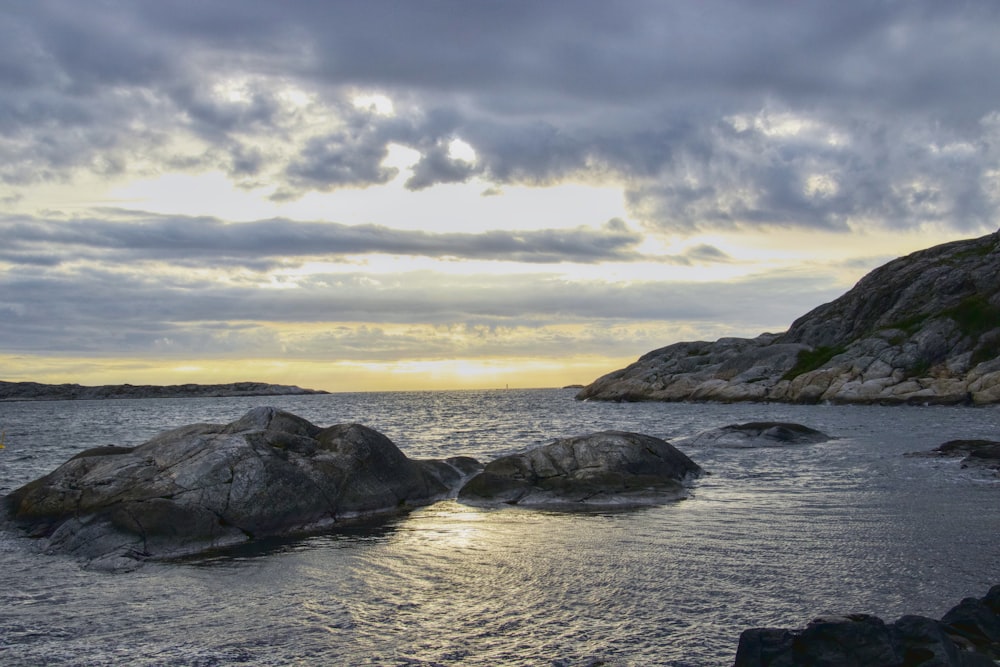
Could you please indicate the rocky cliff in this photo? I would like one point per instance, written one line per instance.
(33, 391)
(924, 328)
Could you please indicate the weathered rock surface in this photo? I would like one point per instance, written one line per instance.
(33, 391)
(205, 486)
(600, 469)
(924, 328)
(978, 453)
(756, 434)
(967, 636)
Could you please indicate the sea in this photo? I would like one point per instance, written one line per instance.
(773, 536)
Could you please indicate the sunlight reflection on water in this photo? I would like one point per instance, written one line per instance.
(772, 537)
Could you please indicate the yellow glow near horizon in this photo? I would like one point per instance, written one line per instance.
(339, 376)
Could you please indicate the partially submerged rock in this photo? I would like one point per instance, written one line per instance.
(967, 636)
(205, 486)
(610, 468)
(757, 434)
(976, 453)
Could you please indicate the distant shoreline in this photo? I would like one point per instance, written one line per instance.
(35, 391)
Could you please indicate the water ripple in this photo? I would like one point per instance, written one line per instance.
(773, 536)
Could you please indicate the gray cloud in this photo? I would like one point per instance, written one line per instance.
(209, 242)
(121, 311)
(708, 115)
(639, 93)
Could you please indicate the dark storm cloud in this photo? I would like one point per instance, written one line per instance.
(669, 100)
(265, 244)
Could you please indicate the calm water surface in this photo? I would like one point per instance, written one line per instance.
(774, 536)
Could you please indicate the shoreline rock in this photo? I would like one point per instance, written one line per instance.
(922, 329)
(34, 391)
(967, 636)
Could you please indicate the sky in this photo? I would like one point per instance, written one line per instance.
(445, 194)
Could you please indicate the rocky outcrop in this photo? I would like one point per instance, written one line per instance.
(924, 328)
(206, 486)
(756, 434)
(600, 469)
(33, 391)
(967, 636)
(984, 454)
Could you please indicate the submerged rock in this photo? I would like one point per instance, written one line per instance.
(757, 434)
(976, 453)
(967, 636)
(203, 486)
(610, 468)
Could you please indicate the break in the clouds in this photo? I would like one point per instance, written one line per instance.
(707, 115)
(341, 137)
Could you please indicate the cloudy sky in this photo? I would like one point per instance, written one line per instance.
(466, 193)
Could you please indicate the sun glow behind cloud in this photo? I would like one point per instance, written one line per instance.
(296, 205)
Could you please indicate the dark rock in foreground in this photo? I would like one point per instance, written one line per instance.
(206, 486)
(34, 391)
(921, 329)
(967, 636)
(610, 468)
(756, 434)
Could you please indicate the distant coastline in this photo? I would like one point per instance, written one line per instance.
(35, 391)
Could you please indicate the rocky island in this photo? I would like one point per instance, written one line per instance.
(272, 474)
(207, 486)
(34, 391)
(922, 329)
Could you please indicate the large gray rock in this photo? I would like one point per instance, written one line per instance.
(967, 636)
(924, 328)
(206, 486)
(610, 468)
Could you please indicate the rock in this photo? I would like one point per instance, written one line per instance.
(977, 622)
(979, 453)
(610, 468)
(967, 636)
(756, 434)
(33, 391)
(924, 328)
(204, 486)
